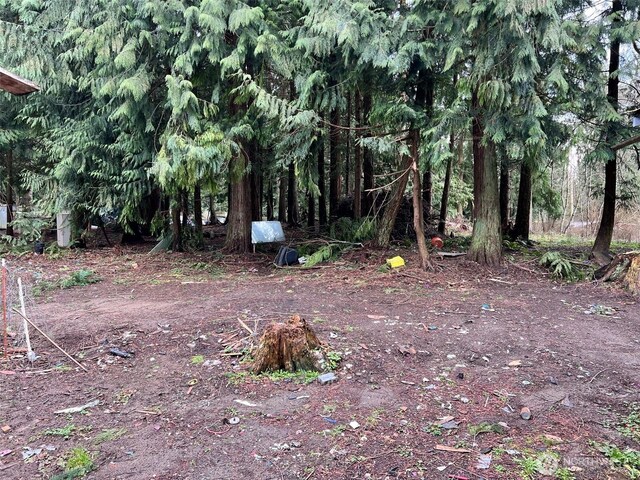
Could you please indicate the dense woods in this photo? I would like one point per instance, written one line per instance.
(493, 111)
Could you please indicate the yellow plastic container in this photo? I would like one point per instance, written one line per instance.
(395, 262)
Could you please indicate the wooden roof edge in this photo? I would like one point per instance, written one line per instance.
(15, 84)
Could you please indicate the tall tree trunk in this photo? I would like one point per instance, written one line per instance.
(334, 164)
(418, 219)
(184, 196)
(239, 225)
(347, 146)
(176, 228)
(197, 213)
(282, 196)
(460, 163)
(442, 221)
(322, 185)
(256, 182)
(357, 172)
(292, 197)
(523, 214)
(504, 196)
(425, 97)
(367, 165)
(9, 158)
(311, 210)
(486, 240)
(270, 201)
(600, 251)
(385, 228)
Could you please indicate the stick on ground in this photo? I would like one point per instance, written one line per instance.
(49, 338)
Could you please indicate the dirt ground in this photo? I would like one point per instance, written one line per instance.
(475, 345)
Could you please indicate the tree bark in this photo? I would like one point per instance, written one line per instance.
(176, 228)
(9, 164)
(270, 201)
(334, 164)
(256, 182)
(357, 171)
(442, 221)
(282, 196)
(504, 196)
(239, 225)
(367, 165)
(347, 146)
(197, 213)
(600, 251)
(311, 210)
(486, 240)
(322, 188)
(292, 197)
(418, 219)
(385, 228)
(523, 213)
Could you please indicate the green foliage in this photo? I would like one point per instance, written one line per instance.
(109, 435)
(628, 459)
(197, 359)
(629, 425)
(67, 431)
(81, 278)
(322, 255)
(560, 266)
(356, 231)
(79, 461)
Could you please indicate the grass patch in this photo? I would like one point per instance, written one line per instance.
(629, 426)
(81, 278)
(627, 460)
(77, 464)
(66, 432)
(109, 435)
(197, 359)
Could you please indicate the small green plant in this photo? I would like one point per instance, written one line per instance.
(484, 427)
(81, 278)
(405, 452)
(109, 435)
(560, 266)
(78, 461)
(627, 459)
(197, 359)
(374, 418)
(328, 408)
(629, 426)
(67, 431)
(322, 255)
(433, 429)
(528, 467)
(500, 468)
(565, 474)
(333, 360)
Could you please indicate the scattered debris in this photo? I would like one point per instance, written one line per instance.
(246, 403)
(355, 425)
(552, 380)
(566, 402)
(515, 363)
(81, 408)
(6, 429)
(327, 378)
(407, 350)
(32, 452)
(488, 308)
(484, 461)
(4, 453)
(600, 310)
(395, 262)
(231, 421)
(445, 448)
(120, 353)
(525, 413)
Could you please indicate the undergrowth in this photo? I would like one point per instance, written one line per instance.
(561, 267)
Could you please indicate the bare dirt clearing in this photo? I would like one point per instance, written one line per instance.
(416, 348)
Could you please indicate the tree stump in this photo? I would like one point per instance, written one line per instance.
(290, 346)
(624, 269)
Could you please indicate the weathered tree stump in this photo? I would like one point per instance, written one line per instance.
(624, 269)
(290, 346)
